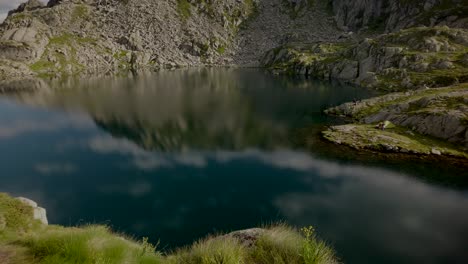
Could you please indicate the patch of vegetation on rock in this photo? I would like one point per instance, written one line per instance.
(396, 139)
(405, 60)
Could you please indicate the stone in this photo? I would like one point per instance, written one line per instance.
(26, 35)
(247, 237)
(436, 151)
(39, 213)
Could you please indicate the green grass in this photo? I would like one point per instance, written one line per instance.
(284, 245)
(279, 244)
(212, 251)
(14, 216)
(41, 65)
(30, 242)
(79, 12)
(221, 49)
(92, 244)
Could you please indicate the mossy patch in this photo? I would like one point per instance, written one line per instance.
(184, 9)
(63, 48)
(79, 12)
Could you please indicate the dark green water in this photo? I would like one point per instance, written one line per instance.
(178, 155)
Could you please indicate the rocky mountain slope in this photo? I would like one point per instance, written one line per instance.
(278, 22)
(88, 36)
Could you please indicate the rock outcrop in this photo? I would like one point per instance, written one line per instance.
(405, 60)
(392, 140)
(440, 113)
(39, 213)
(247, 237)
(389, 16)
(88, 36)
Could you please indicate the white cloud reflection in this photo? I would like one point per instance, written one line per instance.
(19, 127)
(55, 168)
(142, 159)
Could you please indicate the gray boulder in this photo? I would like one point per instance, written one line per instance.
(39, 213)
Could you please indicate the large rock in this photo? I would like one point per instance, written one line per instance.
(248, 237)
(443, 115)
(22, 44)
(39, 213)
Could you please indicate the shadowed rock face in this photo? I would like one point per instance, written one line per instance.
(30, 5)
(395, 15)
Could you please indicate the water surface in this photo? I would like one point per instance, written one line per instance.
(177, 155)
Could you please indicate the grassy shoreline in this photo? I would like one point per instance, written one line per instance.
(25, 240)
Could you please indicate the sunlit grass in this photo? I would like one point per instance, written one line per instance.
(30, 242)
(224, 250)
(91, 244)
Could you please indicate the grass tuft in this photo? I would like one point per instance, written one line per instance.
(213, 251)
(92, 244)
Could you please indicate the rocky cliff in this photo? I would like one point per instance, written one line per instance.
(392, 15)
(408, 59)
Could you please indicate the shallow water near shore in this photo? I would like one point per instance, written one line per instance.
(177, 155)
